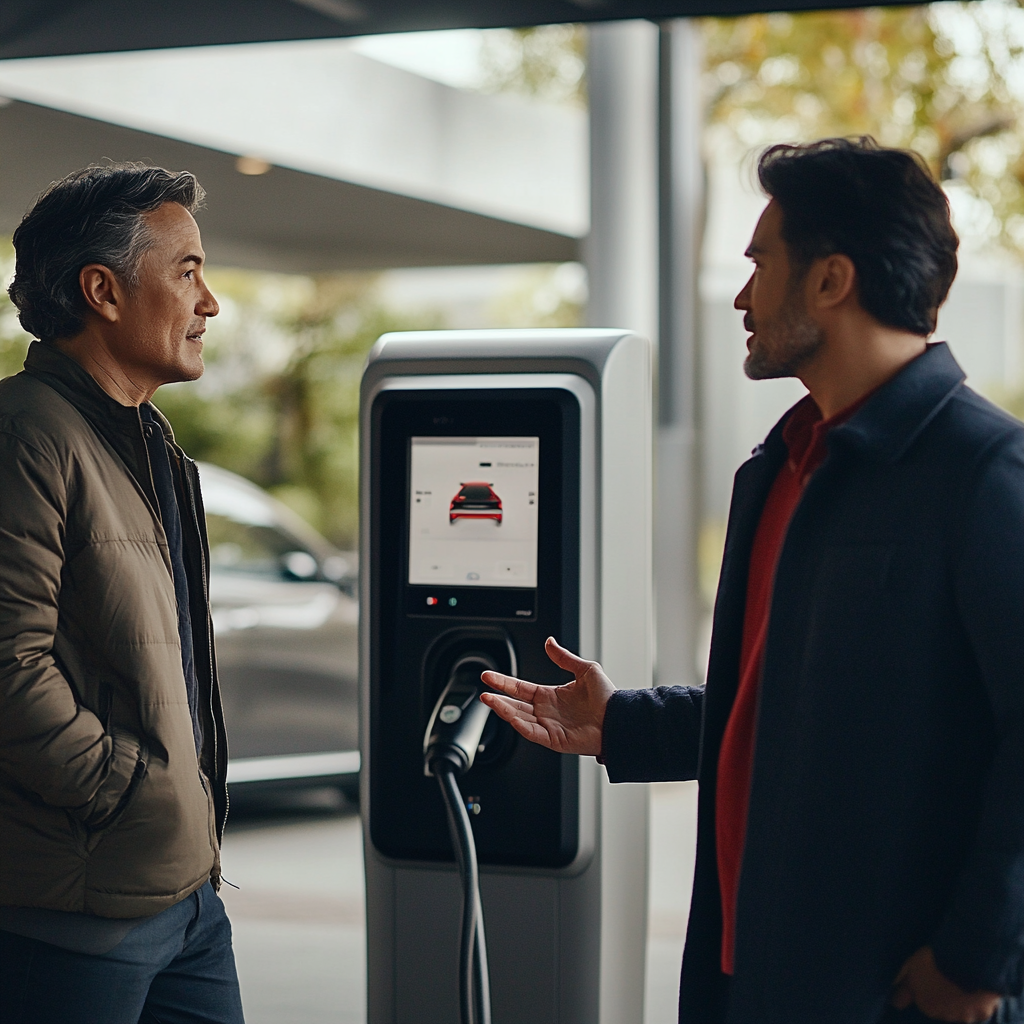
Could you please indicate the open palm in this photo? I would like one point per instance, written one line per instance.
(568, 718)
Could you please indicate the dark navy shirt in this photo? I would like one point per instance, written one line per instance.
(167, 496)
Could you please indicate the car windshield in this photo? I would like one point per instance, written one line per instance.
(248, 548)
(476, 493)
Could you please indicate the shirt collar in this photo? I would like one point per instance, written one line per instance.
(805, 432)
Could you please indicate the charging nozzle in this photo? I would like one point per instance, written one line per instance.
(457, 724)
(450, 746)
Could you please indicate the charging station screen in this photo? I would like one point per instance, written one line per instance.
(473, 511)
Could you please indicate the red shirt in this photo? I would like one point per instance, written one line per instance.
(804, 435)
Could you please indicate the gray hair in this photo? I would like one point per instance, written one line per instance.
(94, 215)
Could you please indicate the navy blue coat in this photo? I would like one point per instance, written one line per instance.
(887, 802)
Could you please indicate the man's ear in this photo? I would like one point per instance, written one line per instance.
(102, 291)
(834, 282)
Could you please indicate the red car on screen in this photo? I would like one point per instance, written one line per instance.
(475, 500)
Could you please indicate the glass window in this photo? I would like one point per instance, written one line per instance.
(256, 550)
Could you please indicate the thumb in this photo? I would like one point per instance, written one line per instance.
(565, 659)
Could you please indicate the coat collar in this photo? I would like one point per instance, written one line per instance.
(894, 416)
(119, 425)
(74, 383)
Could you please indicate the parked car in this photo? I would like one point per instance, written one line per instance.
(285, 619)
(475, 500)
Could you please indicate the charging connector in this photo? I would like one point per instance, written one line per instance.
(457, 724)
(449, 748)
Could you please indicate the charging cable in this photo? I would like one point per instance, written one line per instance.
(449, 747)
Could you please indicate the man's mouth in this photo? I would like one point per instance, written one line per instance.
(748, 326)
(196, 335)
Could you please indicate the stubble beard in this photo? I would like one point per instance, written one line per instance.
(793, 337)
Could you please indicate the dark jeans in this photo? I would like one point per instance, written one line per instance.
(1010, 1012)
(176, 968)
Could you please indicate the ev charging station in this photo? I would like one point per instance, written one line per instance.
(505, 497)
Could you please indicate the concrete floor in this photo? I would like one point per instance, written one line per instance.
(298, 910)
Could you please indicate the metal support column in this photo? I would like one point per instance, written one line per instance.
(622, 261)
(677, 505)
(643, 256)
(622, 249)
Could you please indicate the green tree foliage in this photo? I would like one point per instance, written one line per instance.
(13, 340)
(946, 80)
(547, 296)
(547, 61)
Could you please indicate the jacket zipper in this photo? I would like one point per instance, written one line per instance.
(206, 602)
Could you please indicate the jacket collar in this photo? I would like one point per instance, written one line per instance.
(892, 419)
(73, 382)
(895, 415)
(119, 425)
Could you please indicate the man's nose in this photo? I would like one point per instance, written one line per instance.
(742, 300)
(207, 304)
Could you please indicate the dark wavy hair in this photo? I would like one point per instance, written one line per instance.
(882, 208)
(94, 215)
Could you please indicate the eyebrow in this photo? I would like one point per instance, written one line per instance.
(753, 250)
(191, 258)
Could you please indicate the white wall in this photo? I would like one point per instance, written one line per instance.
(983, 321)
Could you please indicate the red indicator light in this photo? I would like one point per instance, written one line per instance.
(431, 600)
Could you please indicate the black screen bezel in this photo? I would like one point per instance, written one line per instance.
(537, 788)
(537, 416)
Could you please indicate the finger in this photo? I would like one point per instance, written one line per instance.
(523, 721)
(519, 688)
(507, 708)
(565, 659)
(524, 707)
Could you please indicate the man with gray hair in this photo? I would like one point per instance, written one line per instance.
(112, 747)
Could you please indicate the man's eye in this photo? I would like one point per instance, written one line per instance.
(189, 273)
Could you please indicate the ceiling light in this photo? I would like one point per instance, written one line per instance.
(252, 165)
(339, 10)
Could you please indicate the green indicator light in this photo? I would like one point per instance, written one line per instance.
(453, 601)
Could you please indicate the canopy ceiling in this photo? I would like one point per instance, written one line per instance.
(39, 28)
(283, 220)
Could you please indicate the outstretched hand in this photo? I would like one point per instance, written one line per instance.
(568, 718)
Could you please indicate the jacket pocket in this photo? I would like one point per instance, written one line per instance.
(128, 765)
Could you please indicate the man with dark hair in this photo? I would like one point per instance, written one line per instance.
(860, 741)
(112, 747)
